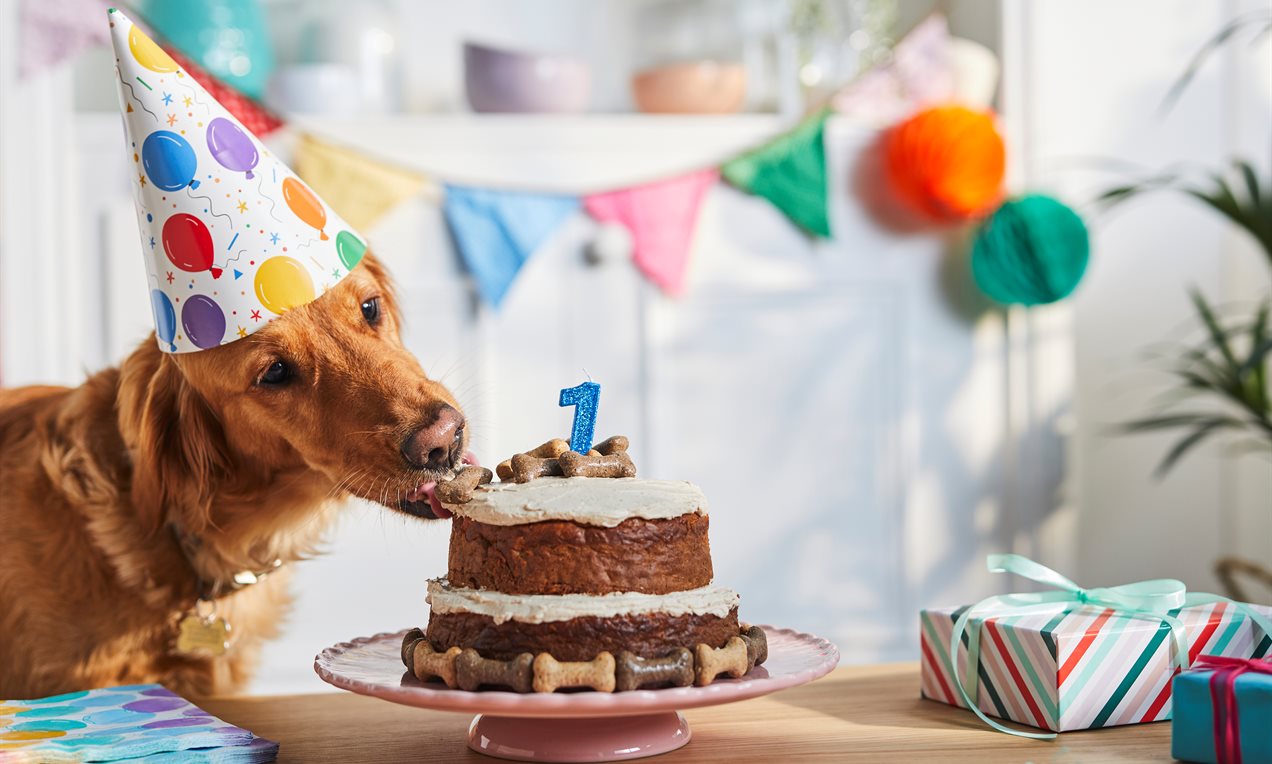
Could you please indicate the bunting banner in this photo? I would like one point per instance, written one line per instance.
(360, 189)
(495, 231)
(661, 218)
(790, 172)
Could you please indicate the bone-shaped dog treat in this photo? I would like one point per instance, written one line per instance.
(611, 445)
(710, 663)
(551, 674)
(549, 450)
(756, 645)
(459, 489)
(504, 470)
(633, 672)
(526, 467)
(427, 663)
(473, 671)
(546, 467)
(408, 648)
(614, 465)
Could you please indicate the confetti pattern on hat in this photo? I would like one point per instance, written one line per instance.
(232, 239)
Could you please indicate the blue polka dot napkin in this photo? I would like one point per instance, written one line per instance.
(144, 722)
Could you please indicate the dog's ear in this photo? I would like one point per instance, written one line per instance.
(179, 449)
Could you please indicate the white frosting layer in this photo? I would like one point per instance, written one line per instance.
(540, 608)
(592, 501)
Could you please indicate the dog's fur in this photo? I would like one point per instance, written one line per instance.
(93, 480)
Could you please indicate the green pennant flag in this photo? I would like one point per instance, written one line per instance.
(790, 172)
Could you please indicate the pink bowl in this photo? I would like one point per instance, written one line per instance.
(507, 81)
(692, 87)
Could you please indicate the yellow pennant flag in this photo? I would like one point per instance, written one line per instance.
(360, 189)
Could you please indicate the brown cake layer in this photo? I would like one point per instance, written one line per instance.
(649, 635)
(563, 557)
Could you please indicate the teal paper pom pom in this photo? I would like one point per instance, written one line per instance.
(1032, 251)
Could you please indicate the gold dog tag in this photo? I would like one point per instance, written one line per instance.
(203, 634)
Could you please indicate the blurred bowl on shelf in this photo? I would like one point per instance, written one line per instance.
(499, 80)
(691, 87)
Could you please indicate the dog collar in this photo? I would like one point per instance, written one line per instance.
(212, 590)
(201, 632)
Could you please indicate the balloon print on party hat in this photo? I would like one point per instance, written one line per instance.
(232, 146)
(232, 239)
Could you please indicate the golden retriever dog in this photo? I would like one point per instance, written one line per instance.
(126, 498)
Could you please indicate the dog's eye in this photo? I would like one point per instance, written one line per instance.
(277, 373)
(371, 311)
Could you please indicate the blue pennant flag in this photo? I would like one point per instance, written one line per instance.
(497, 231)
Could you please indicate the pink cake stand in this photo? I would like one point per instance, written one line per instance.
(571, 726)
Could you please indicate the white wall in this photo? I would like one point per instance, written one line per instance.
(1095, 73)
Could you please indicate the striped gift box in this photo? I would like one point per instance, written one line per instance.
(1082, 668)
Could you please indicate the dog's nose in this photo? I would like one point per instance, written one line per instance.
(436, 445)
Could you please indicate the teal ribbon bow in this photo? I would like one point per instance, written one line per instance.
(1155, 600)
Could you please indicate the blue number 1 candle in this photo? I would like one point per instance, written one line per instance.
(585, 399)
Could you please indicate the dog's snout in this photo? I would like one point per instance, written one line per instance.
(437, 445)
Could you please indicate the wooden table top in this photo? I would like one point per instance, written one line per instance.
(857, 713)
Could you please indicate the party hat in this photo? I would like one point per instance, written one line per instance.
(232, 238)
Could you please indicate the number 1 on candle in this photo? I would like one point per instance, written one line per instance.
(585, 399)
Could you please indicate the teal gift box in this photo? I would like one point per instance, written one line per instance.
(1223, 712)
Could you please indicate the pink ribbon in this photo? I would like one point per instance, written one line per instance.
(1223, 696)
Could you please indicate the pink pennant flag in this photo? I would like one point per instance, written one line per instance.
(661, 218)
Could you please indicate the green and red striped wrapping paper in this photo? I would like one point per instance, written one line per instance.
(1082, 668)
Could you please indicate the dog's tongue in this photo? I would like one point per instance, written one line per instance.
(427, 490)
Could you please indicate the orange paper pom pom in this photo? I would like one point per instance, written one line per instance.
(947, 163)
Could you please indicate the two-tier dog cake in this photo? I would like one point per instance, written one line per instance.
(571, 572)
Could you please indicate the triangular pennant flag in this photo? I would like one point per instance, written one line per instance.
(359, 188)
(918, 73)
(256, 118)
(212, 198)
(50, 33)
(789, 171)
(497, 231)
(661, 218)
